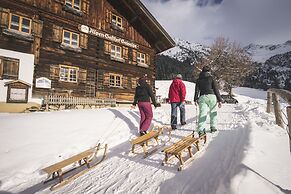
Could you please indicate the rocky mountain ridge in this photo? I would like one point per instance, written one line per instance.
(272, 63)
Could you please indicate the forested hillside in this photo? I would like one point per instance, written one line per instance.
(167, 68)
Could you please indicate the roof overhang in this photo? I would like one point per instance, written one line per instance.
(143, 21)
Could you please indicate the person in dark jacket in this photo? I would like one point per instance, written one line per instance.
(177, 94)
(207, 95)
(143, 94)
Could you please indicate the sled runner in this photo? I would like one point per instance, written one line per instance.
(177, 148)
(86, 157)
(143, 140)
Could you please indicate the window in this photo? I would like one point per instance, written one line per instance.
(114, 80)
(115, 51)
(70, 38)
(141, 58)
(134, 82)
(9, 68)
(20, 24)
(116, 21)
(68, 74)
(75, 4)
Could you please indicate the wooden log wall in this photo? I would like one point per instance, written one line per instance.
(49, 19)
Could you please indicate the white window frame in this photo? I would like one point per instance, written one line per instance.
(116, 21)
(71, 40)
(20, 23)
(66, 73)
(114, 81)
(141, 58)
(73, 5)
(114, 51)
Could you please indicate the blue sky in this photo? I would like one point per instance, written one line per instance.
(243, 21)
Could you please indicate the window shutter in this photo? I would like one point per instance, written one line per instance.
(106, 79)
(147, 59)
(15, 68)
(130, 54)
(55, 72)
(108, 16)
(125, 81)
(134, 82)
(57, 33)
(134, 53)
(4, 17)
(83, 41)
(82, 75)
(125, 52)
(100, 47)
(37, 28)
(100, 79)
(107, 47)
(85, 6)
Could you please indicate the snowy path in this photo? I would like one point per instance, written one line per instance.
(211, 172)
(240, 158)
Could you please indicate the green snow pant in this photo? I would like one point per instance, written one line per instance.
(207, 103)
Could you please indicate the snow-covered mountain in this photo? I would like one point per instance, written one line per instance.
(273, 62)
(275, 73)
(185, 50)
(261, 53)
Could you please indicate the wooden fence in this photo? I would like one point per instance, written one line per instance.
(73, 102)
(273, 98)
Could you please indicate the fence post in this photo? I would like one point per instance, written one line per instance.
(46, 101)
(277, 110)
(269, 101)
(289, 124)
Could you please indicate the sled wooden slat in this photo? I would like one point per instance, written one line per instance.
(143, 140)
(82, 156)
(177, 148)
(86, 157)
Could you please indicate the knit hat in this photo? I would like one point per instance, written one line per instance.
(179, 76)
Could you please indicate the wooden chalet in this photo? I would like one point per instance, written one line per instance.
(84, 48)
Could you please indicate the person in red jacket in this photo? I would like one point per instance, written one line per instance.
(177, 94)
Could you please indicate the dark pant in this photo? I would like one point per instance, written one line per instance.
(174, 107)
(146, 115)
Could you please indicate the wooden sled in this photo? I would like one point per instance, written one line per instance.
(84, 158)
(177, 148)
(143, 140)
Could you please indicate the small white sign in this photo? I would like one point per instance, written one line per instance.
(43, 82)
(17, 94)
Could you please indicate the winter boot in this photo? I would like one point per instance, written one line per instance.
(213, 129)
(142, 133)
(201, 133)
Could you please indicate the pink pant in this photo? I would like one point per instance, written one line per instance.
(146, 115)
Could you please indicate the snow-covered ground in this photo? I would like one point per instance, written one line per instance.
(249, 154)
